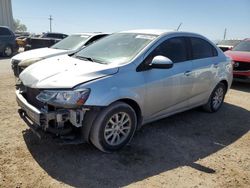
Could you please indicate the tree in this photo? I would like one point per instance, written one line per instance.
(18, 26)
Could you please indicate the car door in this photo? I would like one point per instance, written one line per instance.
(204, 69)
(168, 90)
(4, 37)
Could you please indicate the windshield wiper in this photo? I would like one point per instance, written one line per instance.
(85, 58)
(90, 59)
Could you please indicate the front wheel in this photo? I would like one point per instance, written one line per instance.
(7, 52)
(216, 99)
(114, 127)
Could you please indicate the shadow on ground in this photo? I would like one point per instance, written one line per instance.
(241, 86)
(3, 58)
(172, 142)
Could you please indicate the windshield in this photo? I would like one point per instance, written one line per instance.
(243, 46)
(119, 48)
(229, 42)
(71, 42)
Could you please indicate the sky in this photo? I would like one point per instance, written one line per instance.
(206, 17)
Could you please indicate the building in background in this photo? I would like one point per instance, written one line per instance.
(6, 17)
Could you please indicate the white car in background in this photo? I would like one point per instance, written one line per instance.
(225, 45)
(69, 45)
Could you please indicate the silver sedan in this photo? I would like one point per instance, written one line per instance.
(108, 90)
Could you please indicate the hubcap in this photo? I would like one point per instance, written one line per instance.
(8, 51)
(117, 128)
(218, 97)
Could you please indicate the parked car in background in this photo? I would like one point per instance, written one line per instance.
(8, 44)
(45, 40)
(69, 45)
(22, 34)
(241, 57)
(106, 91)
(225, 45)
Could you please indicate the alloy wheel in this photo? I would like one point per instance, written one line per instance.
(117, 128)
(8, 51)
(218, 98)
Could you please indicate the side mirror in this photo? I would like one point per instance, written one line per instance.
(161, 62)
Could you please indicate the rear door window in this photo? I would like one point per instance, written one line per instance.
(202, 49)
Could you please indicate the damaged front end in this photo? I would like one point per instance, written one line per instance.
(59, 112)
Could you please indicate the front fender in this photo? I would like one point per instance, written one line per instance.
(112, 88)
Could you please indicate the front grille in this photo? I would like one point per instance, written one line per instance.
(241, 66)
(30, 96)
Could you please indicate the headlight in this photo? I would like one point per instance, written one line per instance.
(65, 99)
(28, 62)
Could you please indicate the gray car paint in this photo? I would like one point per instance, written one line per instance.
(158, 92)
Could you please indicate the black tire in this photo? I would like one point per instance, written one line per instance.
(103, 125)
(216, 98)
(7, 51)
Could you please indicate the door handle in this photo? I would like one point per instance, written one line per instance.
(216, 65)
(187, 73)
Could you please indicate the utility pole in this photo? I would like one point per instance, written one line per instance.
(225, 33)
(50, 23)
(179, 27)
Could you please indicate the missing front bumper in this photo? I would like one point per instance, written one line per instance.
(60, 122)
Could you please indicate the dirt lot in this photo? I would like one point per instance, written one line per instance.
(191, 149)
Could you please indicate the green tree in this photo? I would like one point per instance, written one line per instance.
(18, 26)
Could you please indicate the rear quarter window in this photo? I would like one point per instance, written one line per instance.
(202, 49)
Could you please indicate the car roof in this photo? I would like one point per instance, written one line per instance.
(2, 26)
(91, 33)
(162, 32)
(54, 33)
(148, 31)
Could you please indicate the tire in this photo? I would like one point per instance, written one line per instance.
(8, 51)
(216, 98)
(108, 132)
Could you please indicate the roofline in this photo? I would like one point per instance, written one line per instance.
(90, 33)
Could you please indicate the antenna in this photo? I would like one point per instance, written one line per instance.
(50, 23)
(179, 27)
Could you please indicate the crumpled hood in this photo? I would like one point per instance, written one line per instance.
(36, 53)
(63, 72)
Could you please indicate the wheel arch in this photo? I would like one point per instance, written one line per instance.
(225, 83)
(136, 108)
(93, 113)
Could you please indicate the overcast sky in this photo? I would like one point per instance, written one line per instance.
(207, 17)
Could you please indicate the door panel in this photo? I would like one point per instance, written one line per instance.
(203, 74)
(167, 88)
(203, 68)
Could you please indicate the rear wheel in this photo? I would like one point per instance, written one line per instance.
(114, 127)
(7, 51)
(216, 99)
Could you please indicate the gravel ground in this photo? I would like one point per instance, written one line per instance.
(190, 149)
